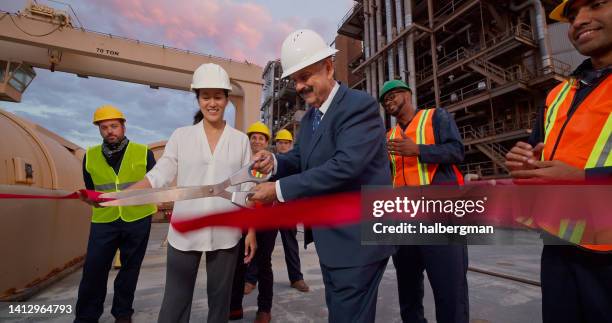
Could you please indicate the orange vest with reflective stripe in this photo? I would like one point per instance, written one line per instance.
(409, 171)
(583, 141)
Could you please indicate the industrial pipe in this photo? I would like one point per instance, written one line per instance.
(366, 43)
(379, 45)
(373, 48)
(541, 29)
(390, 51)
(399, 23)
(410, 51)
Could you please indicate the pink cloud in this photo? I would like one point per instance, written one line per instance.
(237, 30)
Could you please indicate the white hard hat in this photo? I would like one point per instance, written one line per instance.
(210, 76)
(303, 48)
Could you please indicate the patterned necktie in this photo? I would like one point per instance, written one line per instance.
(316, 120)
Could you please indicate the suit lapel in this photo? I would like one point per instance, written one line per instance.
(329, 114)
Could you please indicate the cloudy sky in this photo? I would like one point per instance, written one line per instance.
(236, 29)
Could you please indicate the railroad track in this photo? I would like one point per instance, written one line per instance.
(505, 276)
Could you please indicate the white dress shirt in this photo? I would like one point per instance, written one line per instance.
(188, 158)
(323, 108)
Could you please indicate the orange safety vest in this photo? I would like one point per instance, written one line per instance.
(410, 171)
(583, 141)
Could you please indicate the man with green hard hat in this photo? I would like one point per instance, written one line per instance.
(424, 147)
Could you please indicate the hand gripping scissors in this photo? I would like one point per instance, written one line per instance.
(158, 195)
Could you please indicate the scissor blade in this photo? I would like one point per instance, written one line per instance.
(176, 194)
(131, 193)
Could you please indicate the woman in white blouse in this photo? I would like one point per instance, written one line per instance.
(206, 153)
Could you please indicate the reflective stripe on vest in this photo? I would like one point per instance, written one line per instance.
(571, 230)
(528, 222)
(600, 155)
(409, 170)
(112, 186)
(583, 141)
(551, 113)
(133, 169)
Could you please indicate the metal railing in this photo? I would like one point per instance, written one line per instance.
(524, 30)
(498, 150)
(490, 68)
(557, 67)
(463, 53)
(482, 169)
(450, 58)
(465, 92)
(449, 8)
(525, 121)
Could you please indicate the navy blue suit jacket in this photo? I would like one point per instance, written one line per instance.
(346, 152)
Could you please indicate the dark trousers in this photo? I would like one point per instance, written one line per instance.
(351, 293)
(292, 258)
(251, 272)
(263, 261)
(181, 274)
(446, 268)
(263, 264)
(292, 254)
(576, 285)
(104, 239)
(238, 281)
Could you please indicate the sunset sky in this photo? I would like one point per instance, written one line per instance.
(236, 29)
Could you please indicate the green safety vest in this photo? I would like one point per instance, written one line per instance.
(133, 169)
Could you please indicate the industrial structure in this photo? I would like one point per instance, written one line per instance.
(489, 63)
(281, 107)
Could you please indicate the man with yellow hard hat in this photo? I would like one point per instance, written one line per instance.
(259, 136)
(571, 140)
(112, 166)
(284, 143)
(260, 269)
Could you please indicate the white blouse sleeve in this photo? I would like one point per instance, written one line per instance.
(165, 170)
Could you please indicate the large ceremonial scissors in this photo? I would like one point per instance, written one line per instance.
(169, 194)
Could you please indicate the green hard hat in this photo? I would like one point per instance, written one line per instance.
(392, 85)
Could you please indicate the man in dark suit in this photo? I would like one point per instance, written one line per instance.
(340, 148)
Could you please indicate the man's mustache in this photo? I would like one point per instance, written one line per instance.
(305, 91)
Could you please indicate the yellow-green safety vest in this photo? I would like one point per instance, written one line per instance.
(133, 169)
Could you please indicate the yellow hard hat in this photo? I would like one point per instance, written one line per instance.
(559, 13)
(260, 128)
(107, 112)
(284, 134)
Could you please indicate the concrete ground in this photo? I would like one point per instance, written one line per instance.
(492, 299)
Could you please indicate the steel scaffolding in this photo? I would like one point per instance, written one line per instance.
(489, 63)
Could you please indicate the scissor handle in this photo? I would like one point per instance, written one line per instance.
(241, 198)
(247, 174)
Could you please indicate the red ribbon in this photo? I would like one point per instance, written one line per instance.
(92, 195)
(330, 210)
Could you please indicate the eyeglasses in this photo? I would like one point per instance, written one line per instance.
(390, 97)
